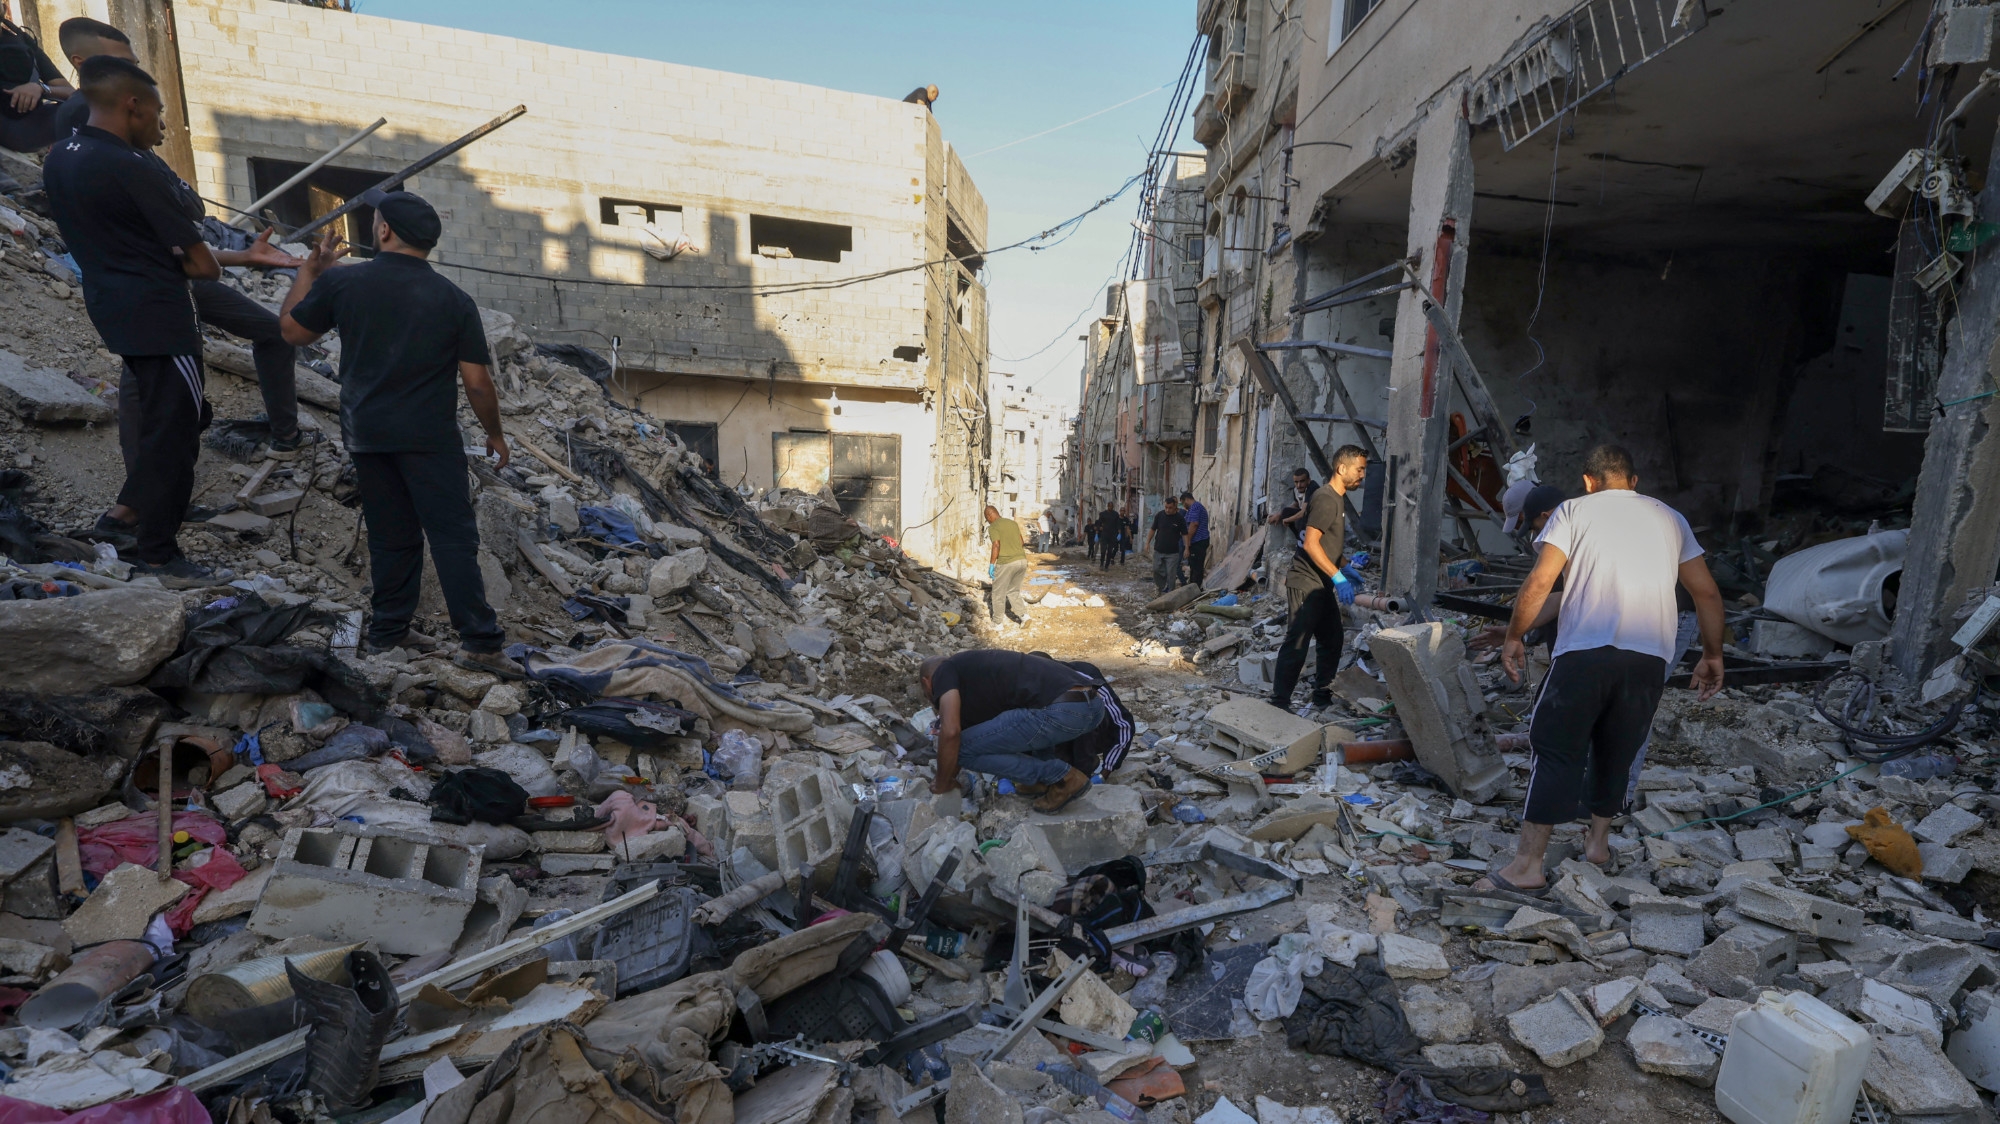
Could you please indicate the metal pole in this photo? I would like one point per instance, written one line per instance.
(396, 181)
(251, 212)
(165, 861)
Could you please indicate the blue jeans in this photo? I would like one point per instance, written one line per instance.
(1006, 745)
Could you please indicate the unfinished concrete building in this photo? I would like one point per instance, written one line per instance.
(1136, 434)
(695, 228)
(1539, 222)
(1030, 437)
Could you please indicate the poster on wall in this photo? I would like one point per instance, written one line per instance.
(1156, 331)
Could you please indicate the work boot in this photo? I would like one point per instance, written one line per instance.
(346, 1027)
(1063, 791)
(493, 663)
(1030, 789)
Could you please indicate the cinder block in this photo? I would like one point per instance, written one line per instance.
(1669, 925)
(1947, 825)
(810, 816)
(1442, 707)
(1559, 1029)
(1249, 728)
(1944, 864)
(1743, 959)
(409, 895)
(1798, 911)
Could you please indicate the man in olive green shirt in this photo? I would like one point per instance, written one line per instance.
(1010, 567)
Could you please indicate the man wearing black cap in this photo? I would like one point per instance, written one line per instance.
(138, 249)
(407, 336)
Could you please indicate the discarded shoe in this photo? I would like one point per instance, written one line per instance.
(1063, 791)
(347, 1026)
(180, 573)
(493, 663)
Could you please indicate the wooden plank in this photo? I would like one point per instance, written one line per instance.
(535, 451)
(532, 551)
(256, 481)
(69, 860)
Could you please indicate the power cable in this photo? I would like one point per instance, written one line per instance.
(1067, 124)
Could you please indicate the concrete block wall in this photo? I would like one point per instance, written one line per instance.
(284, 81)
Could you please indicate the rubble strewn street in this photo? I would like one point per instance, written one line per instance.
(739, 827)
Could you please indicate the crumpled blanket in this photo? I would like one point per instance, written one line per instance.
(1407, 1099)
(1358, 1013)
(639, 669)
(672, 1029)
(235, 645)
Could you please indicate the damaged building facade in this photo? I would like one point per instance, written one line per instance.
(1030, 441)
(1135, 431)
(690, 226)
(1452, 238)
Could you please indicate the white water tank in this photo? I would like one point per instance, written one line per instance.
(1836, 588)
(1792, 1060)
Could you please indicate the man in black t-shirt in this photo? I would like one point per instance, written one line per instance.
(217, 305)
(137, 250)
(1004, 713)
(31, 90)
(1316, 587)
(1169, 531)
(1110, 526)
(407, 338)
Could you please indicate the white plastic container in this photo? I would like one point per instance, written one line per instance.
(1792, 1060)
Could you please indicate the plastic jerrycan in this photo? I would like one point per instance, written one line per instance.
(1792, 1059)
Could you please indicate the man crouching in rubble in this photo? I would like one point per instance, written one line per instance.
(1619, 555)
(1005, 713)
(407, 335)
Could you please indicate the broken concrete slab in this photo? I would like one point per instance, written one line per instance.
(1106, 822)
(1934, 971)
(46, 396)
(1245, 728)
(76, 645)
(26, 958)
(239, 899)
(20, 850)
(1944, 864)
(1975, 1046)
(676, 572)
(1559, 1029)
(1670, 925)
(1610, 1000)
(1947, 825)
(975, 1099)
(1914, 1078)
(1768, 844)
(1442, 706)
(1410, 958)
(123, 905)
(1934, 923)
(1894, 1009)
(1666, 1045)
(1513, 988)
(1716, 1015)
(1676, 987)
(1436, 1018)
(1743, 959)
(1789, 908)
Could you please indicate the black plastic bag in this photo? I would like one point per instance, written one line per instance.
(485, 795)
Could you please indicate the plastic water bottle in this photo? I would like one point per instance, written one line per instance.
(1921, 767)
(1084, 1085)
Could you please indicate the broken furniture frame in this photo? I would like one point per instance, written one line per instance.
(252, 1060)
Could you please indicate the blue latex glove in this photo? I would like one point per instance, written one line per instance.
(1351, 574)
(1357, 561)
(990, 571)
(1343, 588)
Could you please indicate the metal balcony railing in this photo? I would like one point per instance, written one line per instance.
(1579, 54)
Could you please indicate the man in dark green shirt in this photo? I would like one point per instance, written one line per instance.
(1010, 566)
(1315, 587)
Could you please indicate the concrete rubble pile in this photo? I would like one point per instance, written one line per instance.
(692, 864)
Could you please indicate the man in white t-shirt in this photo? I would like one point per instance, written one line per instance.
(1619, 555)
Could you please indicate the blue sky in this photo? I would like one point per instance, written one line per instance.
(1004, 70)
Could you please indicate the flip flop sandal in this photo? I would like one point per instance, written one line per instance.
(1500, 883)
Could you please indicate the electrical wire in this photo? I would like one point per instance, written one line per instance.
(1046, 239)
(1858, 710)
